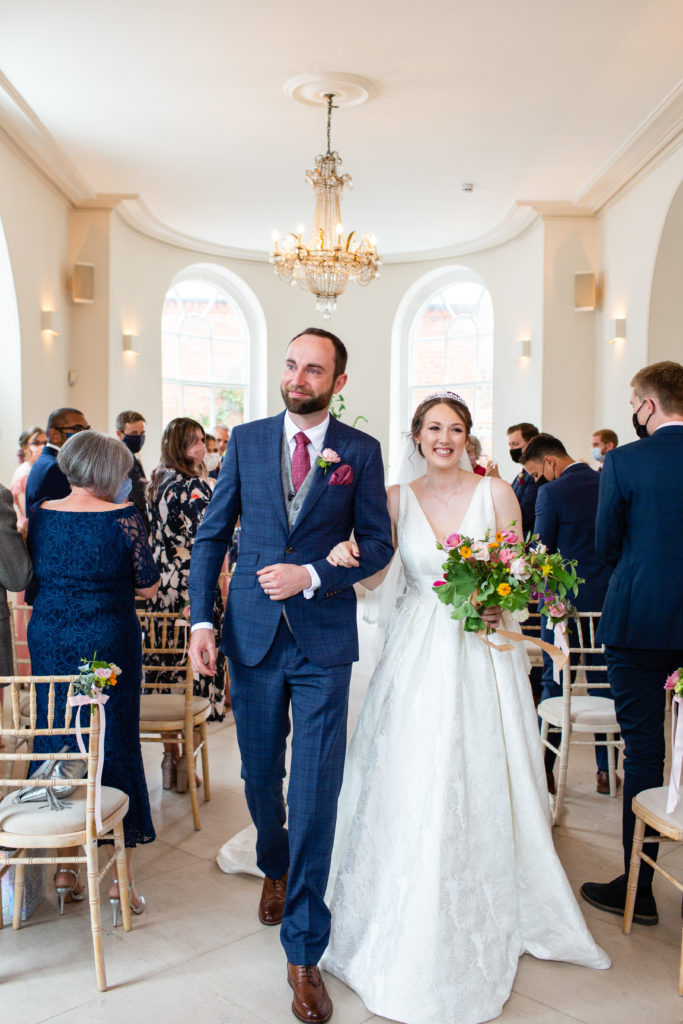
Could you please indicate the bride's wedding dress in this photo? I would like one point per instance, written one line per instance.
(444, 870)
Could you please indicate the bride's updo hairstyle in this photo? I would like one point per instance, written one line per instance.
(449, 398)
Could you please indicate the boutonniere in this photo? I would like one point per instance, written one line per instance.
(327, 458)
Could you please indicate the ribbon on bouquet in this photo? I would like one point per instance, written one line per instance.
(676, 755)
(78, 701)
(559, 655)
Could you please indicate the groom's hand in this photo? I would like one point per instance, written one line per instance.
(202, 642)
(282, 580)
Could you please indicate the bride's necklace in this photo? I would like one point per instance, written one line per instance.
(444, 501)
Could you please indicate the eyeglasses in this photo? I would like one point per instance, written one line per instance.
(36, 444)
(72, 428)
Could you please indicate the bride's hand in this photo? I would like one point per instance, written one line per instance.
(344, 554)
(491, 616)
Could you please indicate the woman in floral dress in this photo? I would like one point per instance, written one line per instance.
(177, 496)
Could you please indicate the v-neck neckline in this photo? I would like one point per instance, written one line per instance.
(428, 521)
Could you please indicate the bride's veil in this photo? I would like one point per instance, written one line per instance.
(380, 602)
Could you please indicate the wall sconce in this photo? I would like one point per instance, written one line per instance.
(130, 343)
(585, 293)
(524, 350)
(50, 322)
(619, 326)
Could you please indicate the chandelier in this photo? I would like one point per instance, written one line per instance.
(329, 260)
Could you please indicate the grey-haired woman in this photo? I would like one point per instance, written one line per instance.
(91, 558)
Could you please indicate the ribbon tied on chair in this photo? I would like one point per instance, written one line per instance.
(78, 701)
(676, 754)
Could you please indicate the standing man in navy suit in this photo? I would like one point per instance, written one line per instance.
(638, 530)
(566, 509)
(299, 482)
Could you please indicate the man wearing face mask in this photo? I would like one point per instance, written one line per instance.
(602, 441)
(130, 428)
(46, 479)
(638, 530)
(565, 521)
(524, 485)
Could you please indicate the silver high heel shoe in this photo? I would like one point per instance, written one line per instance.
(116, 903)
(68, 890)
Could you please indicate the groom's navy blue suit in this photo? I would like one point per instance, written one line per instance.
(305, 659)
(638, 531)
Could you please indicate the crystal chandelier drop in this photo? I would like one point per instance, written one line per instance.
(326, 263)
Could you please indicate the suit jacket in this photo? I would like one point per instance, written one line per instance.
(250, 487)
(638, 530)
(565, 521)
(15, 572)
(46, 479)
(526, 489)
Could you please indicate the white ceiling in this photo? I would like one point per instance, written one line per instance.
(183, 104)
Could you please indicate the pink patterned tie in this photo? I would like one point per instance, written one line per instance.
(301, 460)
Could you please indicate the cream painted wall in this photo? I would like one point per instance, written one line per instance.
(629, 234)
(35, 222)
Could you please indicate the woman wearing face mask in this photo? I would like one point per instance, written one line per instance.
(177, 497)
(31, 443)
(91, 558)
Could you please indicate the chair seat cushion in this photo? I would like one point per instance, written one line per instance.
(654, 801)
(170, 707)
(31, 819)
(589, 714)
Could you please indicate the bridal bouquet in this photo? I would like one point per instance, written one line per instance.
(505, 572)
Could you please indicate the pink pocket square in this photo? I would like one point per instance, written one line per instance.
(342, 475)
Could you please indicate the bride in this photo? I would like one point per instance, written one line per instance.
(444, 870)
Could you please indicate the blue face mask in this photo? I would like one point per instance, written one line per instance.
(597, 454)
(123, 491)
(133, 442)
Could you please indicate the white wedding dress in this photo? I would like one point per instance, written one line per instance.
(444, 870)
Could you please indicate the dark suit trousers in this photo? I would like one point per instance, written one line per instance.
(637, 679)
(553, 689)
(261, 696)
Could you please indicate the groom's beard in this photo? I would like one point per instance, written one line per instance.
(304, 406)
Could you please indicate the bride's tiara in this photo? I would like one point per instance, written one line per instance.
(453, 395)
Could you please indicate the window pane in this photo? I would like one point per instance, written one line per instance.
(429, 363)
(462, 358)
(197, 403)
(193, 358)
(226, 321)
(433, 322)
(229, 406)
(170, 399)
(228, 360)
(171, 315)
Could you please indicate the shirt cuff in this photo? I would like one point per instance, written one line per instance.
(309, 592)
(201, 625)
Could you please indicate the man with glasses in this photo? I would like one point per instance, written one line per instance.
(46, 479)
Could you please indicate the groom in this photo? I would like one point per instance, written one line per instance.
(299, 482)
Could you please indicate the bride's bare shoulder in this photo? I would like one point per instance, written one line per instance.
(393, 496)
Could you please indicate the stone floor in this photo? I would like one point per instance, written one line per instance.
(200, 953)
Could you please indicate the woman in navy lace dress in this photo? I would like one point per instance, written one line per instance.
(91, 557)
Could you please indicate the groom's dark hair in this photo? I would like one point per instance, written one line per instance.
(340, 353)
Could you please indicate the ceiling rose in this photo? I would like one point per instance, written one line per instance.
(314, 88)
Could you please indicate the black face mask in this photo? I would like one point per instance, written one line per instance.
(133, 442)
(516, 454)
(641, 428)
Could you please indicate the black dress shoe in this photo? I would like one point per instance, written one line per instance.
(611, 896)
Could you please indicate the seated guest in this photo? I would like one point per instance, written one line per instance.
(31, 444)
(473, 447)
(178, 495)
(130, 428)
(15, 573)
(566, 509)
(46, 479)
(91, 558)
(603, 441)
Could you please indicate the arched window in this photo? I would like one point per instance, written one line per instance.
(443, 340)
(208, 349)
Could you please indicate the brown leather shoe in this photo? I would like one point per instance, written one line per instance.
(272, 904)
(311, 1001)
(602, 783)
